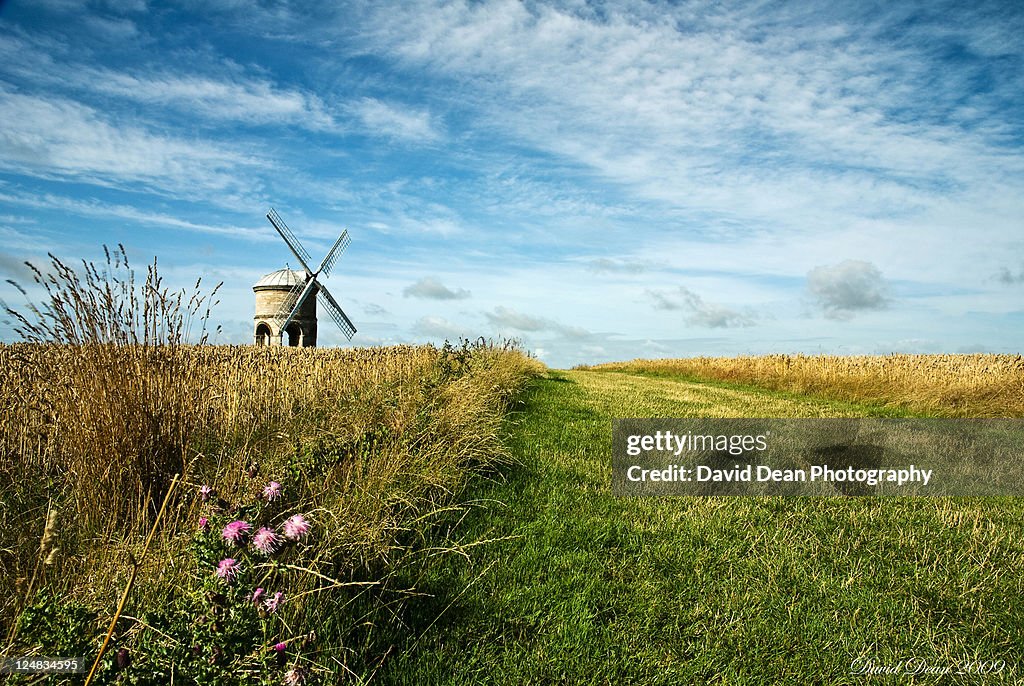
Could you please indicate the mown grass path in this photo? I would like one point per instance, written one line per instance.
(592, 589)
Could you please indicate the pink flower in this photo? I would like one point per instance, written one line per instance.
(204, 524)
(266, 541)
(255, 597)
(236, 531)
(228, 569)
(272, 491)
(295, 527)
(272, 603)
(205, 492)
(280, 647)
(296, 676)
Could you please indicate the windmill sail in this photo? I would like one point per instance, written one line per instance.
(290, 301)
(334, 253)
(337, 314)
(293, 243)
(308, 284)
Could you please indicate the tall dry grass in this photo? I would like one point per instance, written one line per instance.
(108, 401)
(941, 385)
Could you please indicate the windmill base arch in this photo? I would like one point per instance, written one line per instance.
(299, 334)
(263, 334)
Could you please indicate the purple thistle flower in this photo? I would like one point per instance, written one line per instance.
(266, 541)
(274, 602)
(204, 524)
(295, 527)
(272, 491)
(236, 531)
(280, 647)
(256, 595)
(205, 492)
(228, 569)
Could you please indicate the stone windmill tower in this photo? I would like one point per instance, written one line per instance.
(286, 299)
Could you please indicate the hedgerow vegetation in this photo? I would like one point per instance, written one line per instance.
(294, 482)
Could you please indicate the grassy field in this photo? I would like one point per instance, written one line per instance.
(578, 586)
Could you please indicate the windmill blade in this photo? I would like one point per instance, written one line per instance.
(309, 286)
(334, 253)
(293, 243)
(339, 317)
(288, 304)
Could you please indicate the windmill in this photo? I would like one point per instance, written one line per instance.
(286, 299)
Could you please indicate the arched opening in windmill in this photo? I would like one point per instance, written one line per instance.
(263, 334)
(294, 335)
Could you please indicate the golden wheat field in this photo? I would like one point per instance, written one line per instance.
(941, 385)
(362, 442)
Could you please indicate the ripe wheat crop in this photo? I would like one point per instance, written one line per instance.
(107, 408)
(941, 385)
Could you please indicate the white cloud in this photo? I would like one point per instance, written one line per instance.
(787, 124)
(430, 288)
(440, 328)
(843, 289)
(250, 101)
(93, 208)
(620, 266)
(396, 121)
(56, 136)
(699, 312)
(506, 319)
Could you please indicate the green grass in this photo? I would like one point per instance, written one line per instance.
(585, 588)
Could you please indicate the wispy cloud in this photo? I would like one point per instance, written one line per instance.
(439, 327)
(698, 311)
(732, 113)
(94, 208)
(250, 101)
(43, 136)
(1008, 277)
(620, 266)
(432, 289)
(396, 121)
(229, 94)
(506, 319)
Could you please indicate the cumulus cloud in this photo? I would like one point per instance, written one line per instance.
(842, 290)
(432, 289)
(699, 312)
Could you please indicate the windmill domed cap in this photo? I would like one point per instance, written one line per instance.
(281, 278)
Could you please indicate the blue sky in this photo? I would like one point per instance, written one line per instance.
(602, 180)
